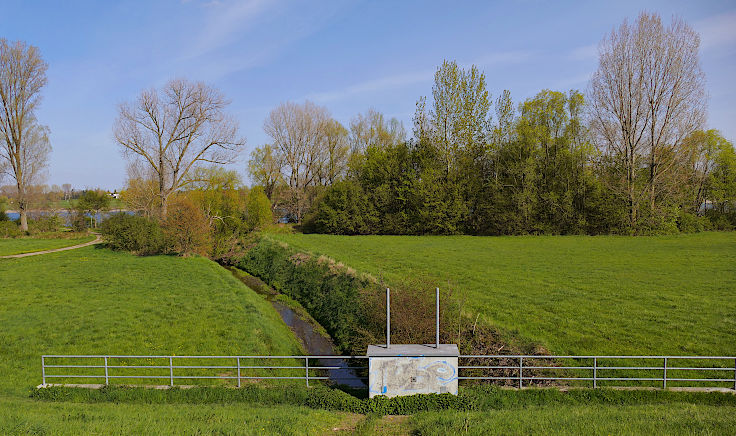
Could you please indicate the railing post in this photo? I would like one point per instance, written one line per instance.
(595, 372)
(521, 365)
(43, 370)
(664, 379)
(306, 369)
(171, 370)
(107, 381)
(238, 371)
(734, 374)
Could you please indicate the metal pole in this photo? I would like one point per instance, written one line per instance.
(437, 323)
(107, 381)
(43, 370)
(595, 372)
(664, 379)
(521, 365)
(388, 318)
(171, 370)
(306, 366)
(734, 374)
(238, 371)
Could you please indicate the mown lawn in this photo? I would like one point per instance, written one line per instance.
(96, 301)
(574, 294)
(22, 417)
(669, 419)
(10, 246)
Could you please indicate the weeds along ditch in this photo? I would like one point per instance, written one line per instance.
(351, 307)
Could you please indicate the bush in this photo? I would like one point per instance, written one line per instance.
(691, 223)
(186, 228)
(45, 224)
(9, 229)
(721, 220)
(258, 209)
(133, 233)
(78, 220)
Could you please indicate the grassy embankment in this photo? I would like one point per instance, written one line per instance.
(580, 295)
(29, 245)
(95, 301)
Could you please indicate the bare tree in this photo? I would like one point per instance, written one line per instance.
(26, 146)
(334, 162)
(141, 191)
(297, 131)
(646, 97)
(372, 129)
(175, 129)
(67, 188)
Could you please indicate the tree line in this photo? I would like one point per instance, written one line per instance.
(629, 155)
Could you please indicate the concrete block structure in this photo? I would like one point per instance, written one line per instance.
(412, 369)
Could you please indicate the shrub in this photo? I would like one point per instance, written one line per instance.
(45, 223)
(186, 228)
(691, 223)
(133, 233)
(258, 209)
(78, 220)
(9, 229)
(721, 220)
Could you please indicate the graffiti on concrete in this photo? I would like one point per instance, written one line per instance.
(392, 376)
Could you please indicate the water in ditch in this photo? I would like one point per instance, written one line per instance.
(314, 343)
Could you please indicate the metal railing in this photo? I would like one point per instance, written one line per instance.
(519, 370)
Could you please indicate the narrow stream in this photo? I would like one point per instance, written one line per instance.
(314, 343)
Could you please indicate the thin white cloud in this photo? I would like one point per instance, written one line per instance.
(225, 22)
(718, 30)
(414, 77)
(375, 85)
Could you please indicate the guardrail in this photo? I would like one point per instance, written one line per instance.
(519, 370)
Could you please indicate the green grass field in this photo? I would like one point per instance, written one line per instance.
(29, 245)
(25, 417)
(95, 301)
(669, 419)
(580, 295)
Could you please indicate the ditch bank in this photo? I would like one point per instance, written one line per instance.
(311, 334)
(351, 305)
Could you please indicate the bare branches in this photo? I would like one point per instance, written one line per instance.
(25, 145)
(646, 97)
(309, 148)
(175, 129)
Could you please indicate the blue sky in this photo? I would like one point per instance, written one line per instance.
(346, 55)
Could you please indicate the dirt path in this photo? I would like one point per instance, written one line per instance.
(97, 240)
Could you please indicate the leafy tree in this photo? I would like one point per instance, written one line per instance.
(93, 202)
(258, 209)
(186, 228)
(220, 195)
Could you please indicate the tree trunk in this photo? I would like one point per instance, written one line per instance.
(22, 207)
